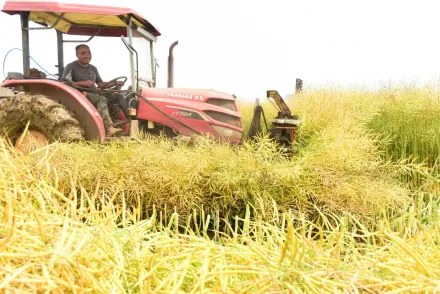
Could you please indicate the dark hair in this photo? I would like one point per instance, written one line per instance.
(79, 46)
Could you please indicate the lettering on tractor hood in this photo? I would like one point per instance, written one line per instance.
(186, 96)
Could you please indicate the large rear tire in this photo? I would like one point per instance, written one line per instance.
(48, 121)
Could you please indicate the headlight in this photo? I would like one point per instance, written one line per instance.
(227, 132)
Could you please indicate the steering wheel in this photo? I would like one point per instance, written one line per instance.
(115, 87)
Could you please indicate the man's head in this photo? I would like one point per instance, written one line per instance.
(83, 54)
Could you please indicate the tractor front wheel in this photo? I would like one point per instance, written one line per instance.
(32, 121)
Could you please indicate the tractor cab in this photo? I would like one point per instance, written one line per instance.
(174, 111)
(89, 21)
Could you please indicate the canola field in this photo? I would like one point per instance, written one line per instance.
(355, 210)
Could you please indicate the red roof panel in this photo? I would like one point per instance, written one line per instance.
(17, 6)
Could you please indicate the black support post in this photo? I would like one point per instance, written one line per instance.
(299, 86)
(60, 53)
(25, 41)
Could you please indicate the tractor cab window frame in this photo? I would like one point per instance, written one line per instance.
(144, 47)
(146, 77)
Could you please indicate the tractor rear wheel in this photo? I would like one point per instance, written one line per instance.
(46, 122)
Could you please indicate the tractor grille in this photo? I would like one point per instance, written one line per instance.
(223, 117)
(222, 103)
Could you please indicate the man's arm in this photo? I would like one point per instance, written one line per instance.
(105, 85)
(99, 81)
(86, 84)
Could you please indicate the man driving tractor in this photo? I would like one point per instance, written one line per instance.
(86, 75)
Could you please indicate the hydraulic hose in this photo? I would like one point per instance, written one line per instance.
(4, 62)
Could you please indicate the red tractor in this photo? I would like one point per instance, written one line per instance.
(58, 110)
(49, 109)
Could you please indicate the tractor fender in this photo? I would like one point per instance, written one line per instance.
(81, 108)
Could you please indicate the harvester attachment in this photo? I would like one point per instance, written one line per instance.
(284, 125)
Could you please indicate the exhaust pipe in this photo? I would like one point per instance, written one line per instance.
(171, 65)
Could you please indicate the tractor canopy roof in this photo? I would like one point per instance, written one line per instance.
(80, 19)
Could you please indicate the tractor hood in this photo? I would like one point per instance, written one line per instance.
(80, 19)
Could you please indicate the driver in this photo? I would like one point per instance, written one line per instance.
(86, 75)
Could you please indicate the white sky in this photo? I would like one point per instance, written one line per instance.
(246, 47)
